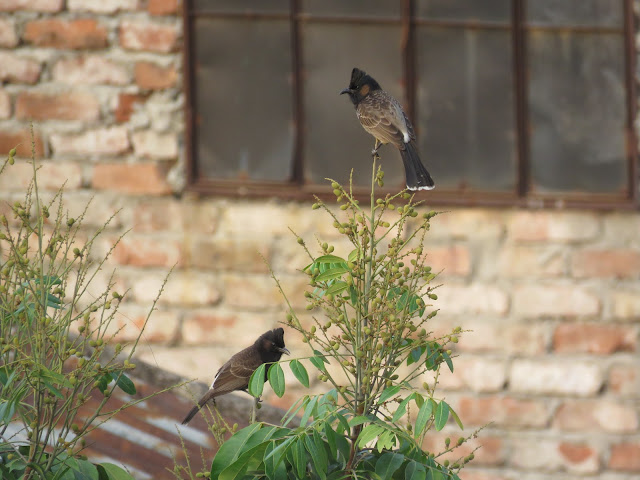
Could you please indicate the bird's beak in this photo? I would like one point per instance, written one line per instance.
(284, 350)
(346, 90)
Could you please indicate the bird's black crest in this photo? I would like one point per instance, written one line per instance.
(276, 336)
(360, 78)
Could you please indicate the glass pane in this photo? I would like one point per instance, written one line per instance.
(577, 107)
(335, 141)
(358, 8)
(243, 93)
(486, 10)
(466, 124)
(576, 12)
(270, 6)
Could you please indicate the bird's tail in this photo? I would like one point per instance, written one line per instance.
(192, 413)
(416, 174)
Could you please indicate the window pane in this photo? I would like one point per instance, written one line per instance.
(576, 12)
(465, 107)
(335, 141)
(271, 6)
(577, 107)
(487, 10)
(359, 8)
(244, 100)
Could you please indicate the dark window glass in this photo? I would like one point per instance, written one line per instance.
(575, 12)
(486, 10)
(357, 8)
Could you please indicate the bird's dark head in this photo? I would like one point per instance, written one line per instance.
(360, 86)
(271, 344)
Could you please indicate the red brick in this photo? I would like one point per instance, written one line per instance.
(208, 326)
(592, 338)
(526, 261)
(51, 176)
(625, 457)
(503, 411)
(138, 178)
(576, 455)
(229, 254)
(478, 374)
(63, 106)
(624, 263)
(5, 104)
(90, 70)
(454, 260)
(151, 37)
(595, 415)
(624, 380)
(127, 104)
(542, 454)
(159, 215)
(162, 326)
(492, 450)
(162, 7)
(8, 37)
(50, 6)
(21, 141)
(566, 227)
(149, 251)
(74, 34)
(16, 69)
(151, 76)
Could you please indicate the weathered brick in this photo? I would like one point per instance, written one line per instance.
(106, 141)
(49, 6)
(84, 33)
(524, 261)
(594, 338)
(162, 7)
(503, 412)
(151, 144)
(454, 260)
(464, 223)
(621, 228)
(51, 176)
(153, 37)
(127, 324)
(5, 104)
(548, 455)
(506, 337)
(212, 326)
(159, 215)
(102, 6)
(17, 69)
(137, 178)
(598, 415)
(554, 300)
(478, 374)
(625, 304)
(621, 263)
(625, 457)
(624, 380)
(252, 292)
(8, 36)
(550, 377)
(183, 288)
(226, 254)
(561, 226)
(146, 251)
(61, 106)
(127, 105)
(90, 70)
(471, 299)
(489, 449)
(151, 76)
(21, 141)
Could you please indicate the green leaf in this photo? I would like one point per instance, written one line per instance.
(53, 389)
(415, 471)
(315, 447)
(354, 255)
(402, 408)
(103, 382)
(337, 288)
(447, 359)
(109, 471)
(415, 354)
(442, 415)
(237, 469)
(353, 294)
(386, 441)
(402, 301)
(388, 393)
(331, 439)
(84, 470)
(123, 382)
(318, 363)
(276, 379)
(231, 449)
(359, 420)
(387, 464)
(423, 417)
(256, 382)
(300, 458)
(308, 411)
(298, 370)
(456, 418)
(331, 273)
(368, 433)
(273, 468)
(330, 259)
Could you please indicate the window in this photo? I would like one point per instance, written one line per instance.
(514, 101)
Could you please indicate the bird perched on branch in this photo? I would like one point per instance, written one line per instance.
(382, 116)
(235, 374)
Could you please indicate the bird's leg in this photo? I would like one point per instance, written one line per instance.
(374, 152)
(254, 408)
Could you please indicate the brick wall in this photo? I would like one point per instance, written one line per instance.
(552, 297)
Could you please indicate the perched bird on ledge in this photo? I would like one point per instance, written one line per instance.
(235, 374)
(382, 116)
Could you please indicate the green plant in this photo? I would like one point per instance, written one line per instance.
(53, 341)
(374, 331)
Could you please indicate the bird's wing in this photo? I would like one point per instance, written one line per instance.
(235, 374)
(382, 116)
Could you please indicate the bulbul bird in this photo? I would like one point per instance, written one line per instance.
(235, 374)
(382, 116)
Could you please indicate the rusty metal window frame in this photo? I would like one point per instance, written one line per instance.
(296, 188)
